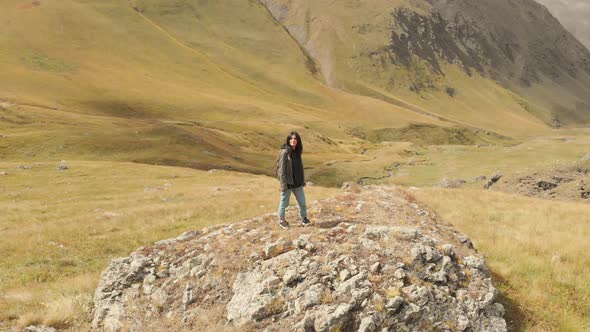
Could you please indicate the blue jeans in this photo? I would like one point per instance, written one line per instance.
(299, 195)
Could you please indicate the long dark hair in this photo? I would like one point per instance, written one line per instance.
(299, 148)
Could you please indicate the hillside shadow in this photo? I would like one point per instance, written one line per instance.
(515, 316)
(124, 108)
(328, 224)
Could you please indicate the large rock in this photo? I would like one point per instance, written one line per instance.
(386, 267)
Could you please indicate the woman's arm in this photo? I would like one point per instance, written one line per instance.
(283, 170)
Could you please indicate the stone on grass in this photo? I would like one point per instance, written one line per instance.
(63, 165)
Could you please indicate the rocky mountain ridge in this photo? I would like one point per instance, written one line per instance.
(520, 45)
(572, 14)
(519, 41)
(373, 261)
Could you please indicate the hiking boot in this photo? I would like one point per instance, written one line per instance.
(283, 224)
(305, 222)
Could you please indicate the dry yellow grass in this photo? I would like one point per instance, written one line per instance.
(431, 165)
(65, 226)
(536, 250)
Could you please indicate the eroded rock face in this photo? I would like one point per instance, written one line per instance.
(372, 261)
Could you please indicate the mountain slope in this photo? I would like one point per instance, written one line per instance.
(217, 84)
(102, 80)
(528, 51)
(573, 15)
(413, 50)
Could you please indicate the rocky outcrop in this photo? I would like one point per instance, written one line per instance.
(564, 182)
(493, 180)
(373, 260)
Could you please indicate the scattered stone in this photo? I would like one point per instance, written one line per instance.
(462, 323)
(148, 284)
(545, 185)
(368, 324)
(163, 273)
(351, 187)
(157, 188)
(464, 239)
(277, 248)
(475, 262)
(411, 312)
(344, 275)
(24, 167)
(425, 254)
(303, 242)
(290, 276)
(586, 157)
(375, 267)
(399, 274)
(493, 179)
(187, 235)
(331, 318)
(108, 214)
(63, 165)
(59, 245)
(311, 297)
(3, 173)
(252, 299)
(40, 328)
(407, 233)
(452, 184)
(394, 304)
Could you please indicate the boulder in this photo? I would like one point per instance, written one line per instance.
(373, 272)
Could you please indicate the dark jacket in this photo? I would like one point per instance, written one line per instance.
(290, 169)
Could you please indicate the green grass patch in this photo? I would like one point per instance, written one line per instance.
(423, 134)
(38, 60)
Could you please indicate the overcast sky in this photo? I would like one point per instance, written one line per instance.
(574, 15)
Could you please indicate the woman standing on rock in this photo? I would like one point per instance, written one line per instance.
(289, 170)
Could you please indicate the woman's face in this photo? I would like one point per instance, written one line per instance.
(293, 141)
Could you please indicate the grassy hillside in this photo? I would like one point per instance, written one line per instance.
(214, 85)
(157, 84)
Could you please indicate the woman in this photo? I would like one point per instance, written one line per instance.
(290, 174)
